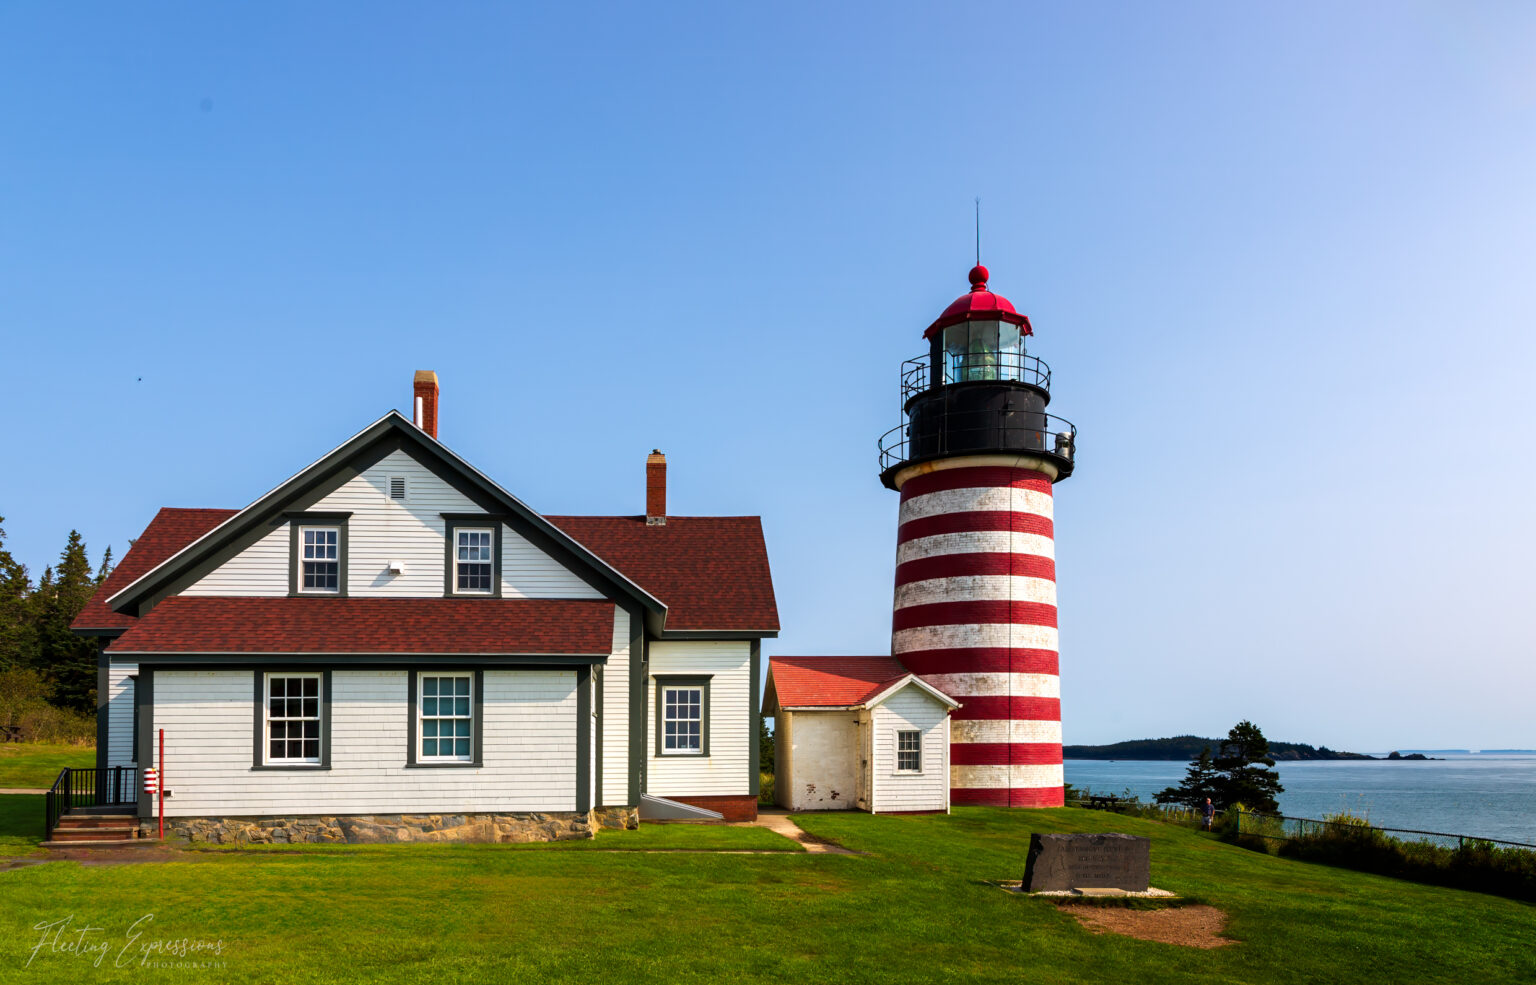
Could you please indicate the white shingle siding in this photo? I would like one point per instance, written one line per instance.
(910, 708)
(382, 530)
(120, 751)
(616, 693)
(529, 751)
(725, 771)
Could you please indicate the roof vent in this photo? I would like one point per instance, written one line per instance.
(397, 487)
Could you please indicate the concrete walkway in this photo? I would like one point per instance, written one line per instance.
(4, 790)
(776, 819)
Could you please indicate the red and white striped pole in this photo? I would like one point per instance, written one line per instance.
(975, 616)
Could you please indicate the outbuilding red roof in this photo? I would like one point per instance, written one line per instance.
(711, 572)
(829, 682)
(197, 624)
(980, 304)
(172, 529)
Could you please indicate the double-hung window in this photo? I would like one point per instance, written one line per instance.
(445, 712)
(293, 719)
(473, 560)
(320, 560)
(909, 751)
(682, 716)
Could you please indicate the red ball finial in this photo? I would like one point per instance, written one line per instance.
(978, 278)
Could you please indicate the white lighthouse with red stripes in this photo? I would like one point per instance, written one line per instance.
(975, 461)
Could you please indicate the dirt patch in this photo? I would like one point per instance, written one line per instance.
(1187, 926)
(115, 856)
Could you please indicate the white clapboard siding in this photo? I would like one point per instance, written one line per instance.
(381, 531)
(261, 569)
(615, 790)
(724, 772)
(120, 751)
(529, 573)
(910, 708)
(529, 756)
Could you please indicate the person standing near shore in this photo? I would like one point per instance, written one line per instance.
(1210, 813)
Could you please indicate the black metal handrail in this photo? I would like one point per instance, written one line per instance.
(974, 366)
(112, 786)
(1057, 439)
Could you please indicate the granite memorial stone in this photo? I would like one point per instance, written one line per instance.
(1088, 861)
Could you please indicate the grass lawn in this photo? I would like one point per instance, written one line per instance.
(21, 824)
(36, 764)
(917, 909)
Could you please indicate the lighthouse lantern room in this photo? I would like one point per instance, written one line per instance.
(975, 461)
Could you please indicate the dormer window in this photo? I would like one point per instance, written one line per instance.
(320, 560)
(473, 562)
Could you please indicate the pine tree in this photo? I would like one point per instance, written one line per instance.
(67, 659)
(106, 566)
(1200, 781)
(18, 637)
(1246, 778)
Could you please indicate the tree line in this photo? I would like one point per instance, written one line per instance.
(36, 645)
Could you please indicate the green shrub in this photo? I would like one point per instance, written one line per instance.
(1353, 842)
(24, 702)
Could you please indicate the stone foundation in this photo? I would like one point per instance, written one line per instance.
(618, 818)
(381, 828)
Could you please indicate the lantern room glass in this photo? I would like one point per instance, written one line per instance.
(983, 350)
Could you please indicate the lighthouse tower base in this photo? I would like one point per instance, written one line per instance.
(975, 616)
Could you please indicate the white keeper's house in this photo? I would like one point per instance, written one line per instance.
(391, 646)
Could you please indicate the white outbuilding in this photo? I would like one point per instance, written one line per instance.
(857, 733)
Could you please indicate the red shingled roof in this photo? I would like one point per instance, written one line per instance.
(172, 529)
(711, 572)
(830, 682)
(183, 624)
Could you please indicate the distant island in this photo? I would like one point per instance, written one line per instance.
(1187, 747)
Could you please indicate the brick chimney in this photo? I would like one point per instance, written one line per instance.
(425, 416)
(656, 489)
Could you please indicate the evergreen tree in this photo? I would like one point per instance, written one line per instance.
(764, 745)
(1200, 781)
(106, 566)
(1237, 775)
(18, 638)
(1245, 767)
(67, 659)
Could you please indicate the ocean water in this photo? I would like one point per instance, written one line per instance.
(1490, 796)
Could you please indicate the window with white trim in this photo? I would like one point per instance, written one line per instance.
(445, 704)
(320, 560)
(909, 751)
(293, 718)
(473, 565)
(682, 721)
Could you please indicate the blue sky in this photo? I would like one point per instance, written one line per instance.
(1280, 259)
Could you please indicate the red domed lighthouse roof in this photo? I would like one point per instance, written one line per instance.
(979, 304)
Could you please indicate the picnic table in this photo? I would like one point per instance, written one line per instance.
(1106, 802)
(10, 733)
